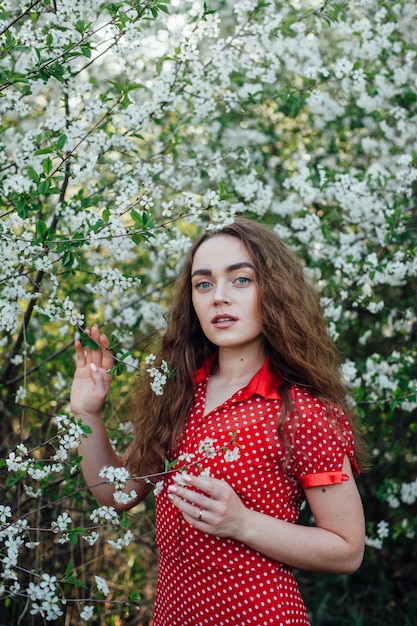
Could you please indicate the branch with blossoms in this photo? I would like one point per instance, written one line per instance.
(207, 448)
(46, 595)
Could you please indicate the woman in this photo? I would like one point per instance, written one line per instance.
(254, 421)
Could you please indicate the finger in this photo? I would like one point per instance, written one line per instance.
(97, 354)
(101, 357)
(88, 350)
(179, 495)
(199, 518)
(211, 486)
(101, 381)
(79, 353)
(190, 511)
(107, 355)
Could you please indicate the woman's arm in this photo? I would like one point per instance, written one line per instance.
(89, 391)
(335, 544)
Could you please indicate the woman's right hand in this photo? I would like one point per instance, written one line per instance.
(92, 378)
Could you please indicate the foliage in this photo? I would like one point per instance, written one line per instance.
(126, 128)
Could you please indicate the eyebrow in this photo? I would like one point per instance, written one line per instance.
(229, 268)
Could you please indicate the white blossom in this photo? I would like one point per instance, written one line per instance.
(102, 585)
(382, 529)
(158, 487)
(16, 463)
(5, 513)
(120, 497)
(105, 514)
(207, 447)
(21, 394)
(186, 456)
(179, 478)
(44, 598)
(159, 377)
(373, 543)
(122, 542)
(409, 492)
(87, 613)
(61, 523)
(232, 455)
(92, 538)
(115, 475)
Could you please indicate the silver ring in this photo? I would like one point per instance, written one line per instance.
(200, 515)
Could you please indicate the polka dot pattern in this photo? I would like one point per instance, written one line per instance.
(211, 580)
(197, 596)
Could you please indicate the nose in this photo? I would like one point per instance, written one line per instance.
(221, 293)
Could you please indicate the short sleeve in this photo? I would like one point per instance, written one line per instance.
(320, 437)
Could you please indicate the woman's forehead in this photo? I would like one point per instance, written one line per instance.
(220, 251)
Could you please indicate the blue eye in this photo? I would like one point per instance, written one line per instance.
(204, 284)
(242, 280)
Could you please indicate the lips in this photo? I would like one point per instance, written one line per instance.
(219, 319)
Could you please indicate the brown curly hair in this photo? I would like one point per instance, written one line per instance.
(297, 344)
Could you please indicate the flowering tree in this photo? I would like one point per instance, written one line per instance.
(129, 126)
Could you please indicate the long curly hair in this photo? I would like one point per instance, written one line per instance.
(296, 339)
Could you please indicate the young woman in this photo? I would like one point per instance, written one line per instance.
(256, 418)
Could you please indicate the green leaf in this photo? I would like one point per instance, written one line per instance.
(117, 369)
(68, 259)
(22, 208)
(87, 342)
(86, 50)
(47, 166)
(223, 194)
(69, 569)
(124, 520)
(44, 187)
(43, 151)
(80, 26)
(133, 86)
(137, 217)
(73, 540)
(61, 142)
(33, 175)
(170, 464)
(133, 597)
(41, 228)
(70, 575)
(75, 581)
(74, 533)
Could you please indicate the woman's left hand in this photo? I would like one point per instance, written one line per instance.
(214, 508)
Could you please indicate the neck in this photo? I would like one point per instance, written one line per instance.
(237, 366)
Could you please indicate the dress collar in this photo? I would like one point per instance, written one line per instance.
(264, 383)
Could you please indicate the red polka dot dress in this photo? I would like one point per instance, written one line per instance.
(206, 580)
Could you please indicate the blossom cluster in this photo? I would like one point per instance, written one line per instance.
(118, 477)
(189, 461)
(45, 600)
(159, 375)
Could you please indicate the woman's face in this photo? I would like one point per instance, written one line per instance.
(225, 293)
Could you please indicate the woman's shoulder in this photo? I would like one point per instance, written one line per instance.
(308, 410)
(305, 399)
